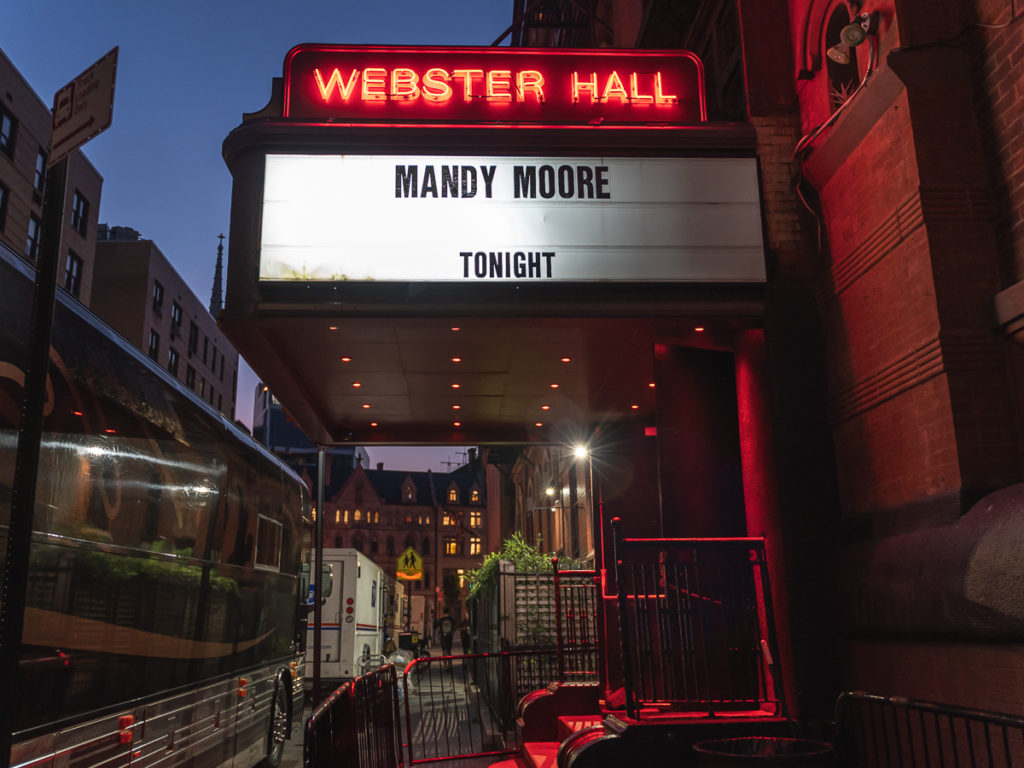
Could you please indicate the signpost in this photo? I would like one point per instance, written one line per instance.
(410, 565)
(83, 108)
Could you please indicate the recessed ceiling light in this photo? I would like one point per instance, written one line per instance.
(332, 327)
(456, 407)
(366, 405)
(651, 385)
(456, 328)
(456, 386)
(456, 423)
(356, 384)
(554, 386)
(346, 359)
(635, 407)
(699, 329)
(456, 359)
(566, 359)
(545, 407)
(373, 423)
(538, 424)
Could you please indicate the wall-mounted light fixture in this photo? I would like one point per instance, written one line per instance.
(852, 35)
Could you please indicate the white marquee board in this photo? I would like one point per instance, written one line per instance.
(403, 218)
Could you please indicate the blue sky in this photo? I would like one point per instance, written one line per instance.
(187, 70)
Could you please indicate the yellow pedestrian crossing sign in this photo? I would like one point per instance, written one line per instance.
(410, 565)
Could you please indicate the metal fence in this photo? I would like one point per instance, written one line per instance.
(465, 706)
(358, 725)
(880, 731)
(695, 624)
(546, 610)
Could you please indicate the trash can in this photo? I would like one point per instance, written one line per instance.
(762, 751)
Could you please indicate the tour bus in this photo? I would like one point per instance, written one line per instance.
(162, 619)
(360, 620)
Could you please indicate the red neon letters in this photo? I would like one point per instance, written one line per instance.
(438, 85)
(493, 85)
(435, 85)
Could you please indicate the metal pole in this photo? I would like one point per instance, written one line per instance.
(26, 468)
(318, 549)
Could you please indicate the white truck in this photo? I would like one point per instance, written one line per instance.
(362, 608)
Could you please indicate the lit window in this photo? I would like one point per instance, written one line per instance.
(357, 516)
(475, 546)
(79, 213)
(474, 496)
(154, 345)
(447, 519)
(8, 132)
(337, 515)
(410, 493)
(158, 298)
(475, 518)
(344, 517)
(453, 494)
(451, 545)
(73, 274)
(376, 517)
(32, 241)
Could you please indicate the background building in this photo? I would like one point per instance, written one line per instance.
(24, 142)
(444, 517)
(139, 294)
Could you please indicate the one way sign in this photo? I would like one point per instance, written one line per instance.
(83, 108)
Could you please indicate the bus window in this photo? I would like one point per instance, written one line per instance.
(268, 543)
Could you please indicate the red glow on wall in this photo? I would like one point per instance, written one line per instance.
(493, 85)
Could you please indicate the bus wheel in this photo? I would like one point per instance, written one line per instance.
(278, 725)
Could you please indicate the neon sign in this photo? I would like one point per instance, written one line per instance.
(493, 85)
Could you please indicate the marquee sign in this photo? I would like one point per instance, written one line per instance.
(407, 218)
(493, 85)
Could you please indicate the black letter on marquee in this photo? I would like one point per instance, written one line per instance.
(525, 178)
(547, 182)
(548, 256)
(449, 181)
(488, 177)
(602, 183)
(429, 182)
(466, 255)
(468, 175)
(405, 181)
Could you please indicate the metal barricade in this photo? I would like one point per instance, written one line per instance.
(696, 628)
(575, 597)
(330, 738)
(881, 731)
(358, 725)
(465, 706)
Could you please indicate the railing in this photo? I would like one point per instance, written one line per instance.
(330, 737)
(887, 731)
(465, 706)
(575, 598)
(357, 726)
(695, 625)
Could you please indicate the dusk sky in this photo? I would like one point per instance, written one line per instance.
(187, 71)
